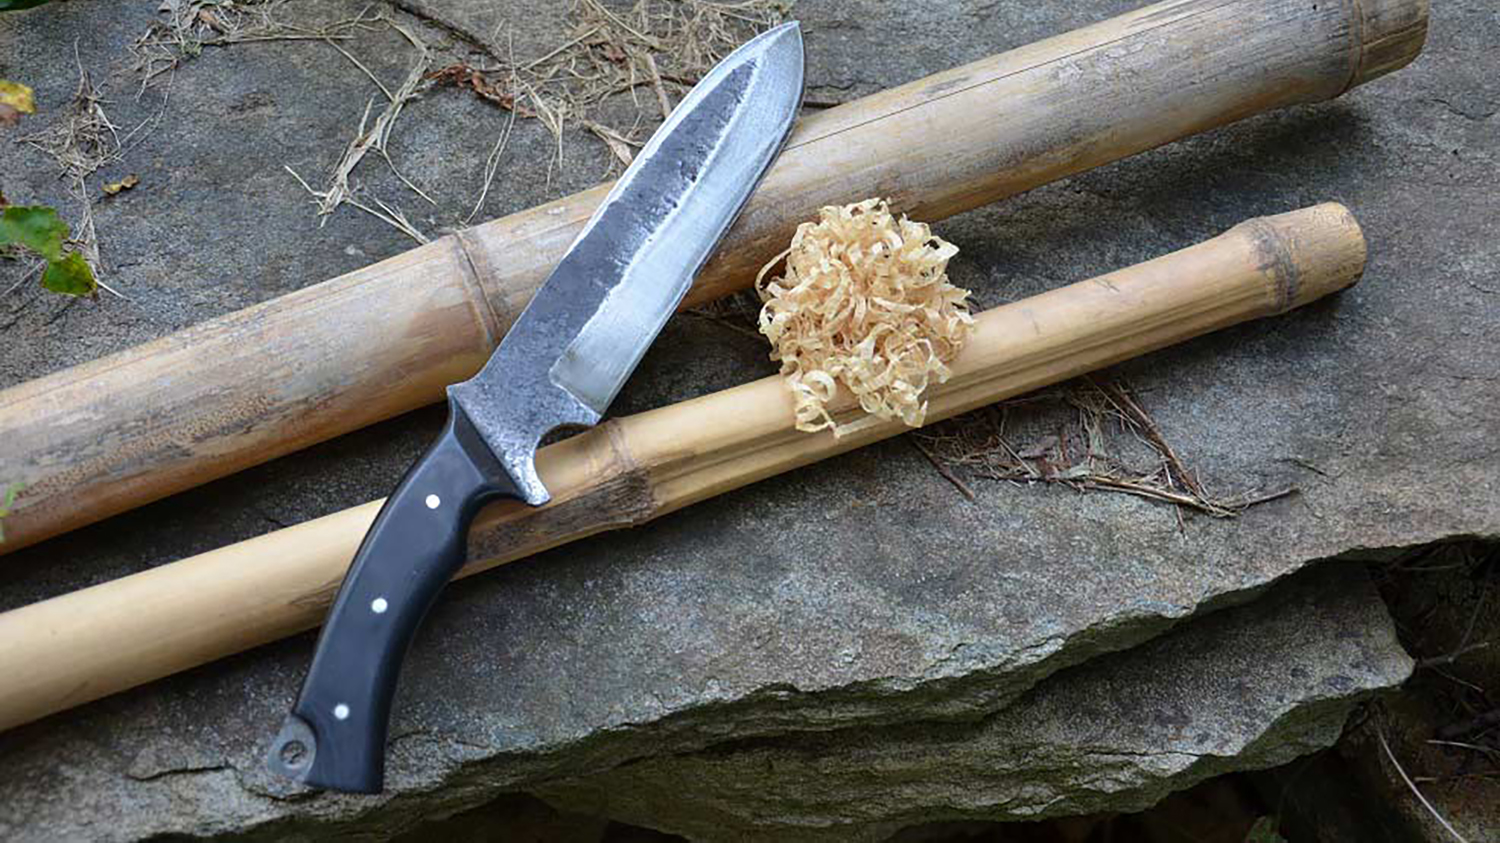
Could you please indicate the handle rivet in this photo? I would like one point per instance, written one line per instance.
(378, 605)
(341, 711)
(293, 753)
(433, 501)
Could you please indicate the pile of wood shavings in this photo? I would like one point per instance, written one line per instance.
(865, 302)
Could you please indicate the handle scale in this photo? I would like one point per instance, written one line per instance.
(335, 736)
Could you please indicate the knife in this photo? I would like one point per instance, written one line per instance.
(560, 365)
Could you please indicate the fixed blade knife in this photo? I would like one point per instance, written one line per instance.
(560, 365)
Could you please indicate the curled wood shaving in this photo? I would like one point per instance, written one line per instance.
(866, 303)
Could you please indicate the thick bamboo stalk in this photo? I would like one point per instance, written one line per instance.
(81, 646)
(100, 438)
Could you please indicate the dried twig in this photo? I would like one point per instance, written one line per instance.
(1155, 492)
(1301, 463)
(566, 45)
(601, 11)
(1491, 751)
(1450, 658)
(1121, 399)
(491, 166)
(392, 216)
(492, 163)
(943, 469)
(36, 268)
(656, 85)
(1443, 821)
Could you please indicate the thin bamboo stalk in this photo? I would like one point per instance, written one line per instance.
(81, 646)
(97, 439)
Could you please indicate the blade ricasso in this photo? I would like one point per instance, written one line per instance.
(521, 466)
(512, 426)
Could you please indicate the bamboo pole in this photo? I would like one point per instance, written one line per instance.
(71, 649)
(97, 439)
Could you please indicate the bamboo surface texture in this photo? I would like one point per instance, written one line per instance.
(81, 646)
(100, 438)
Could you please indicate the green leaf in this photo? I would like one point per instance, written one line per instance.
(70, 276)
(16, 5)
(34, 226)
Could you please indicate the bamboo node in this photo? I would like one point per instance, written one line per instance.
(864, 302)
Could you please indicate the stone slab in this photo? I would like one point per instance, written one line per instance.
(1248, 688)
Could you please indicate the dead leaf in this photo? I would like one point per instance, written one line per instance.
(15, 99)
(617, 143)
(126, 183)
(462, 76)
(212, 21)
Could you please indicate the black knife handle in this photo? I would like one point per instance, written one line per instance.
(335, 735)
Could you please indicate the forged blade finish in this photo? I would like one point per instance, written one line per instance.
(591, 322)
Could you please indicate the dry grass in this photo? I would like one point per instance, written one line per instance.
(654, 52)
(1099, 446)
(187, 26)
(664, 45)
(375, 137)
(81, 143)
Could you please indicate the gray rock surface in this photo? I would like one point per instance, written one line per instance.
(1248, 688)
(856, 593)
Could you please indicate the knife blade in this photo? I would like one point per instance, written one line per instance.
(560, 365)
